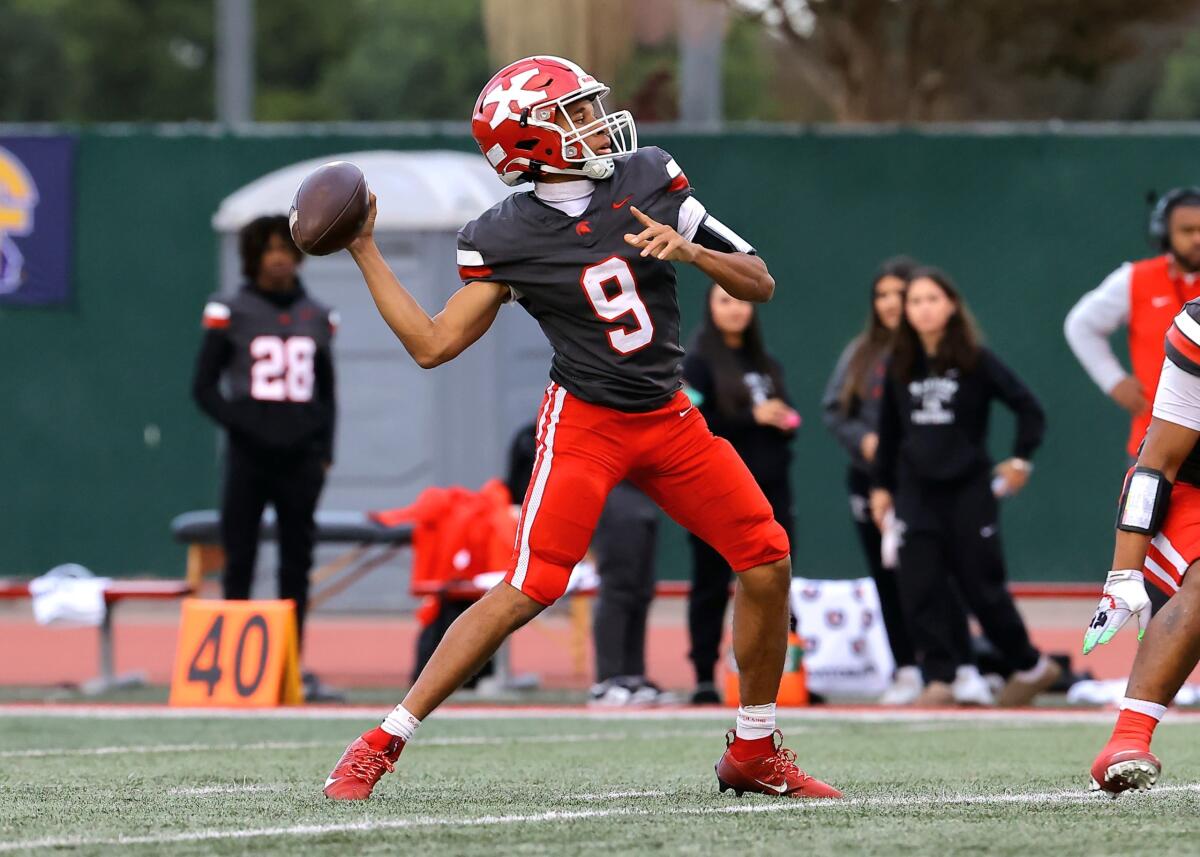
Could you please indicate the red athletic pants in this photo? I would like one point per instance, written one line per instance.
(584, 450)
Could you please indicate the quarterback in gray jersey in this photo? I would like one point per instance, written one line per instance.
(590, 254)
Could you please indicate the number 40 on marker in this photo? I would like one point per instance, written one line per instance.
(236, 654)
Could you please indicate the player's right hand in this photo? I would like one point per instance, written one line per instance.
(1129, 395)
(1124, 596)
(366, 234)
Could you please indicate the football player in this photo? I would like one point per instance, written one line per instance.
(590, 254)
(1158, 535)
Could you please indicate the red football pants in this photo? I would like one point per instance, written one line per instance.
(584, 450)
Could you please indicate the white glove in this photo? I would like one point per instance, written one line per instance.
(1124, 595)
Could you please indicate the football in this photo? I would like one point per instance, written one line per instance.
(330, 208)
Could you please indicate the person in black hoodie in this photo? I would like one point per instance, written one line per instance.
(932, 467)
(739, 389)
(271, 345)
(851, 412)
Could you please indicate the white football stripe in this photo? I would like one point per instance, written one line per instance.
(539, 488)
(673, 169)
(1157, 570)
(216, 310)
(1168, 550)
(470, 258)
(1188, 326)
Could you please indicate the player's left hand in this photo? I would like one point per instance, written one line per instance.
(1124, 596)
(660, 241)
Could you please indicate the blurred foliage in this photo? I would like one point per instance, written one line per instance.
(105, 60)
(153, 60)
(1179, 95)
(411, 61)
(921, 60)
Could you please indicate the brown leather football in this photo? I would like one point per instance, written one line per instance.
(330, 208)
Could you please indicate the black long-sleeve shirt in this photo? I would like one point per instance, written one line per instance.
(934, 428)
(274, 351)
(765, 449)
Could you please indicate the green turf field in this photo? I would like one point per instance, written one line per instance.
(494, 784)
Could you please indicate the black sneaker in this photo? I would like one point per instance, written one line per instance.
(706, 694)
(646, 692)
(317, 691)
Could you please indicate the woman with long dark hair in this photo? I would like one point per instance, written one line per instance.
(851, 412)
(933, 469)
(739, 389)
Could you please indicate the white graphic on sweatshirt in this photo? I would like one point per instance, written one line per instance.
(935, 394)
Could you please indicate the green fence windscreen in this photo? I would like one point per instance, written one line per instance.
(102, 445)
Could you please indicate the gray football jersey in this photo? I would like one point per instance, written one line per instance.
(273, 349)
(611, 316)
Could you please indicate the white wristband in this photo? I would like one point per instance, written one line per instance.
(1119, 574)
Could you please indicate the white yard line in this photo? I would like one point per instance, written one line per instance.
(449, 741)
(615, 795)
(142, 749)
(371, 825)
(840, 714)
(203, 791)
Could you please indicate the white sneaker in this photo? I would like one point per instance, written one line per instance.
(970, 688)
(609, 694)
(906, 686)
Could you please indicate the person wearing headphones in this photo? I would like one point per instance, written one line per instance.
(1142, 297)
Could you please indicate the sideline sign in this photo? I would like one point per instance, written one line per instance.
(236, 654)
(37, 201)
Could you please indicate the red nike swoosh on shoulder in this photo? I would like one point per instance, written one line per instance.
(621, 204)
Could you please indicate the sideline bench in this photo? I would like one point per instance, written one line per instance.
(374, 544)
(114, 594)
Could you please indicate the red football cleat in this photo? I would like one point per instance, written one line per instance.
(359, 769)
(775, 774)
(1119, 769)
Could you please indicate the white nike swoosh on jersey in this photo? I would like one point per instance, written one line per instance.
(1160, 301)
(685, 413)
(779, 789)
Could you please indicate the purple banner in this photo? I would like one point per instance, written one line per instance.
(37, 208)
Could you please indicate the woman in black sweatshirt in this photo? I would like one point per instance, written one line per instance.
(739, 389)
(932, 467)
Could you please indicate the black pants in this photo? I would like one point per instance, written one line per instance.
(859, 486)
(624, 546)
(952, 542)
(291, 482)
(711, 576)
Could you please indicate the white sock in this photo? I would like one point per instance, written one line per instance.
(400, 723)
(1141, 706)
(755, 721)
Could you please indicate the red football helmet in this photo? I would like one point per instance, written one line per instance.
(514, 122)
